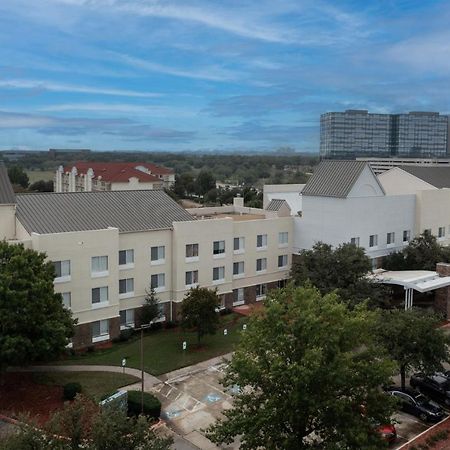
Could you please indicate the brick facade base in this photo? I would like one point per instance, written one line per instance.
(442, 295)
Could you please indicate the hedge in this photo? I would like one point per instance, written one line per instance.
(152, 406)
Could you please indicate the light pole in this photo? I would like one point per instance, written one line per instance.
(142, 328)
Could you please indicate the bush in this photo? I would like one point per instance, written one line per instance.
(125, 335)
(171, 324)
(91, 349)
(156, 326)
(152, 406)
(225, 311)
(70, 390)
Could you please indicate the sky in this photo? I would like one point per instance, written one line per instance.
(207, 75)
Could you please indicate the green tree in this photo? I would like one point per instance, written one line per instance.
(343, 269)
(422, 253)
(18, 176)
(34, 325)
(205, 182)
(413, 340)
(310, 374)
(150, 310)
(41, 186)
(199, 311)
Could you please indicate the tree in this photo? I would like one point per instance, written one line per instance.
(150, 311)
(34, 325)
(343, 269)
(310, 374)
(205, 182)
(41, 186)
(413, 340)
(18, 176)
(199, 311)
(422, 253)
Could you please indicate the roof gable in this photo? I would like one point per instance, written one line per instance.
(438, 177)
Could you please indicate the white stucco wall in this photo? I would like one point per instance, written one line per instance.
(398, 182)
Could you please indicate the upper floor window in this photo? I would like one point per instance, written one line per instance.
(99, 265)
(261, 241)
(261, 264)
(67, 299)
(406, 235)
(355, 241)
(158, 254)
(441, 232)
(191, 277)
(100, 295)
(126, 257)
(373, 240)
(62, 268)
(283, 238)
(126, 286)
(282, 260)
(218, 273)
(238, 268)
(191, 250)
(239, 244)
(218, 247)
(158, 281)
(390, 238)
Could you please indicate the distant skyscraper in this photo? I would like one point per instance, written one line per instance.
(359, 133)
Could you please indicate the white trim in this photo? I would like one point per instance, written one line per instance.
(104, 273)
(261, 249)
(261, 297)
(285, 245)
(63, 279)
(239, 251)
(126, 295)
(160, 289)
(127, 326)
(100, 304)
(158, 262)
(103, 337)
(220, 281)
(219, 256)
(390, 245)
(239, 303)
(191, 259)
(259, 272)
(239, 275)
(191, 286)
(126, 266)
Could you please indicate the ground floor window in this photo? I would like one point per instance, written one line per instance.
(127, 318)
(261, 290)
(100, 330)
(238, 296)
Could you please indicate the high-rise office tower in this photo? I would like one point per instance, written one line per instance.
(359, 133)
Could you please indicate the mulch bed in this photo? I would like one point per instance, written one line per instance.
(20, 394)
(426, 441)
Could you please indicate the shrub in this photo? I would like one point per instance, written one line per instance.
(91, 349)
(70, 390)
(152, 406)
(156, 326)
(171, 324)
(225, 311)
(125, 335)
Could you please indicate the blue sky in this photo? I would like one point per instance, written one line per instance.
(212, 75)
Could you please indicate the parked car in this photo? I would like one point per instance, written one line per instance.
(415, 403)
(436, 386)
(387, 432)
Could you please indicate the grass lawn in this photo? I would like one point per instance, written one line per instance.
(163, 349)
(94, 384)
(36, 175)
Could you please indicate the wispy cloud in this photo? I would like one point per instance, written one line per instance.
(53, 86)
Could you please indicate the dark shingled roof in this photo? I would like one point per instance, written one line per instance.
(436, 176)
(276, 204)
(7, 196)
(334, 178)
(80, 211)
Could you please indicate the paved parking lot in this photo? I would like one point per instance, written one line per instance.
(407, 428)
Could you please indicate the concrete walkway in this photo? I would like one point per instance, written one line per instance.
(149, 380)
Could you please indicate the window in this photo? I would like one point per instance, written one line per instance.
(282, 284)
(158, 281)
(100, 295)
(100, 330)
(127, 318)
(390, 238)
(238, 296)
(261, 291)
(99, 265)
(191, 250)
(126, 286)
(239, 244)
(67, 299)
(261, 264)
(126, 257)
(218, 247)
(238, 268)
(62, 268)
(218, 273)
(441, 232)
(406, 235)
(354, 241)
(191, 277)
(283, 238)
(373, 240)
(282, 260)
(158, 254)
(261, 241)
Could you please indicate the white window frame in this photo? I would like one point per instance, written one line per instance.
(101, 303)
(375, 241)
(160, 253)
(221, 275)
(129, 259)
(98, 266)
(263, 291)
(263, 264)
(285, 260)
(67, 299)
(160, 282)
(129, 318)
(406, 233)
(193, 275)
(193, 251)
(103, 326)
(390, 239)
(240, 265)
(129, 287)
(65, 270)
(283, 239)
(238, 296)
(261, 242)
(241, 245)
(441, 233)
(219, 252)
(355, 241)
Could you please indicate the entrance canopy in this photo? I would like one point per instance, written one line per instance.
(411, 280)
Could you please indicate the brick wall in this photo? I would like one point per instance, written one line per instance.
(442, 295)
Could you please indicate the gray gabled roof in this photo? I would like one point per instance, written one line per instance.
(81, 211)
(334, 178)
(276, 204)
(436, 176)
(7, 196)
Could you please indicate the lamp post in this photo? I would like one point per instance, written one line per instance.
(142, 328)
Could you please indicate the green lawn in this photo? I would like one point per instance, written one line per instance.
(163, 349)
(94, 384)
(36, 175)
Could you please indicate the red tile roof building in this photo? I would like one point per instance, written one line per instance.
(112, 176)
